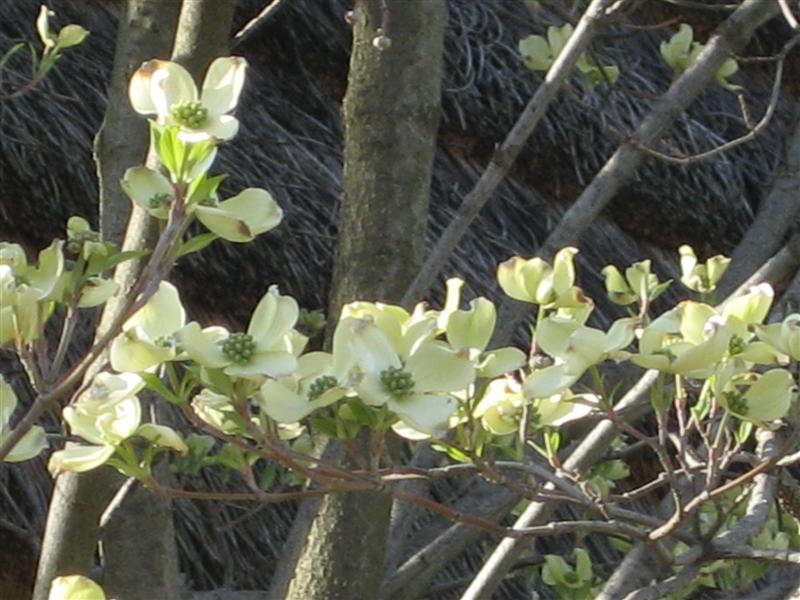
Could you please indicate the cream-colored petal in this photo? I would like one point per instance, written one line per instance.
(436, 368)
(272, 318)
(500, 361)
(543, 383)
(163, 314)
(223, 84)
(370, 390)
(424, 412)
(368, 346)
(142, 184)
(163, 436)
(78, 458)
(31, 444)
(283, 404)
(203, 345)
(75, 587)
(223, 128)
(472, 328)
(96, 291)
(135, 355)
(8, 403)
(171, 84)
(139, 89)
(694, 316)
(273, 364)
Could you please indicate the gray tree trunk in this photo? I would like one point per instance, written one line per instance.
(391, 113)
(139, 537)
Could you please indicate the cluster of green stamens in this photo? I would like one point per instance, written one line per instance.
(159, 200)
(736, 402)
(736, 345)
(164, 341)
(77, 239)
(190, 114)
(239, 347)
(321, 385)
(397, 382)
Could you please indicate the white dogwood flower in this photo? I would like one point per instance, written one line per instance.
(167, 90)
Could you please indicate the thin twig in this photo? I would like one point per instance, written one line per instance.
(508, 151)
(253, 25)
(754, 132)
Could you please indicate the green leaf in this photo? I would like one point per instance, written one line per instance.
(361, 413)
(195, 244)
(743, 431)
(120, 257)
(203, 188)
(325, 425)
(232, 457)
(268, 476)
(155, 384)
(453, 453)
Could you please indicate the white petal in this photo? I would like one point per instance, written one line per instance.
(75, 587)
(8, 403)
(163, 314)
(436, 368)
(274, 364)
(31, 444)
(425, 413)
(272, 318)
(223, 84)
(142, 184)
(543, 383)
(134, 355)
(163, 436)
(139, 88)
(371, 391)
(282, 404)
(405, 431)
(371, 350)
(202, 345)
(501, 361)
(222, 128)
(171, 84)
(78, 458)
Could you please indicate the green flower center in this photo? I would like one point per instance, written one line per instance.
(736, 345)
(76, 240)
(190, 114)
(397, 382)
(239, 347)
(164, 341)
(321, 385)
(736, 402)
(159, 200)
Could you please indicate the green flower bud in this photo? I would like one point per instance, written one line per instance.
(239, 347)
(160, 200)
(397, 382)
(190, 113)
(321, 385)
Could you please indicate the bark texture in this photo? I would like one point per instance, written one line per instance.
(141, 526)
(391, 114)
(72, 529)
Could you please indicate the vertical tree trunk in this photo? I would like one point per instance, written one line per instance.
(140, 535)
(391, 114)
(71, 533)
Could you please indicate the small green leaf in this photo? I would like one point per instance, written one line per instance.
(155, 384)
(195, 244)
(453, 453)
(325, 425)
